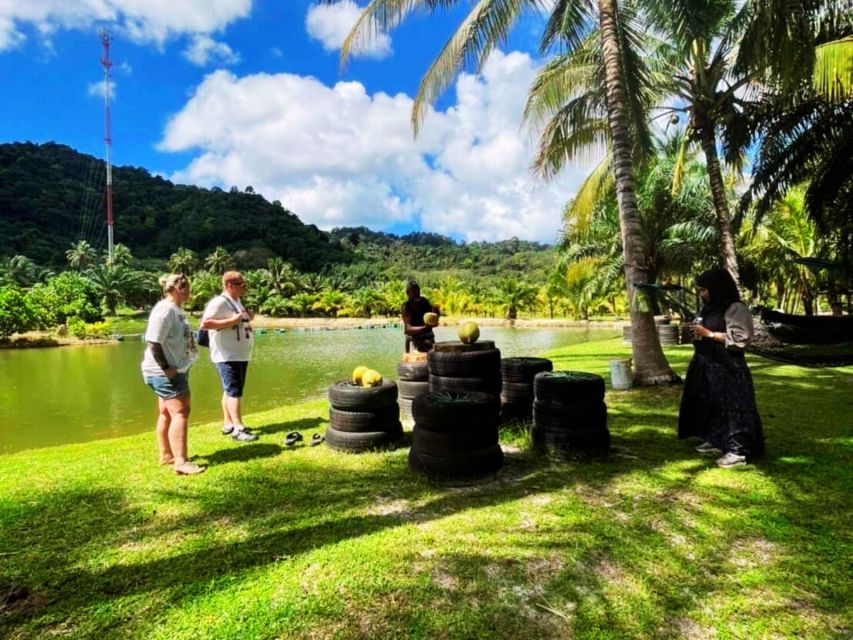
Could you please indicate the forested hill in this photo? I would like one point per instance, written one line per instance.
(51, 196)
(430, 252)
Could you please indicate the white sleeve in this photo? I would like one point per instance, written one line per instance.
(214, 309)
(739, 327)
(158, 324)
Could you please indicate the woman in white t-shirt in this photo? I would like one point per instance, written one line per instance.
(169, 353)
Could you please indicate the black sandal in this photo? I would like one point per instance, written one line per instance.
(316, 439)
(292, 438)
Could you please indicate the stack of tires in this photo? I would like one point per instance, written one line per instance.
(459, 367)
(517, 391)
(412, 381)
(455, 437)
(363, 418)
(569, 412)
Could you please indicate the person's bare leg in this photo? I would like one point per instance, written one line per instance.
(179, 412)
(163, 422)
(226, 416)
(234, 406)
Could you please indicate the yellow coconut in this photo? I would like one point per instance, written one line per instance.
(431, 319)
(358, 374)
(469, 332)
(371, 378)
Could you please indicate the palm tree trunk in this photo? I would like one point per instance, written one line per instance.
(650, 364)
(721, 204)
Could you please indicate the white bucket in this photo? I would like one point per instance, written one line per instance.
(621, 377)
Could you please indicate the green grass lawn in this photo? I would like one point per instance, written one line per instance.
(98, 541)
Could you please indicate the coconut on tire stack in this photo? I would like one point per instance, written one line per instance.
(517, 390)
(466, 365)
(569, 412)
(412, 381)
(363, 418)
(455, 436)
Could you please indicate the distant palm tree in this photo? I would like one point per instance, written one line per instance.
(112, 284)
(183, 261)
(281, 277)
(23, 272)
(122, 257)
(513, 294)
(219, 261)
(81, 255)
(330, 302)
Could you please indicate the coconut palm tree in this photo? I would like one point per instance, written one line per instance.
(112, 284)
(81, 255)
(281, 277)
(23, 272)
(512, 295)
(219, 261)
(183, 261)
(487, 24)
(122, 257)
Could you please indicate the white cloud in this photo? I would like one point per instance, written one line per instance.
(337, 156)
(204, 50)
(98, 89)
(141, 20)
(331, 24)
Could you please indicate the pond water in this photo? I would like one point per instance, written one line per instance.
(56, 396)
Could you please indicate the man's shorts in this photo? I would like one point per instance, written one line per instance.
(233, 376)
(168, 389)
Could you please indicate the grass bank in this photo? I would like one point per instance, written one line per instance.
(96, 540)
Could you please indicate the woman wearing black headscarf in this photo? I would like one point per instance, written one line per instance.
(718, 404)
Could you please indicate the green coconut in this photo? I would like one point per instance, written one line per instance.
(469, 332)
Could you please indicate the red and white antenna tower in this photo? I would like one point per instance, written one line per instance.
(108, 139)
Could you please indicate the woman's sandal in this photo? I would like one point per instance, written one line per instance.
(189, 469)
(292, 438)
(316, 439)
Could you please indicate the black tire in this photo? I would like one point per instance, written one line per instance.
(524, 369)
(570, 418)
(458, 346)
(476, 464)
(349, 442)
(453, 443)
(466, 364)
(517, 392)
(384, 419)
(447, 410)
(412, 371)
(568, 387)
(412, 388)
(439, 384)
(352, 397)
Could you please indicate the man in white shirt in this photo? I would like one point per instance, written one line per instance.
(231, 342)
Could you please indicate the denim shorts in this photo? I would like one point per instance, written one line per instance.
(233, 376)
(168, 389)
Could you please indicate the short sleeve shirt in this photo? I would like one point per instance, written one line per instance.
(167, 326)
(233, 344)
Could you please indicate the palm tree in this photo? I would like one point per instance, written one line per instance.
(487, 24)
(330, 302)
(183, 261)
(512, 295)
(281, 277)
(23, 271)
(122, 257)
(112, 284)
(81, 255)
(219, 261)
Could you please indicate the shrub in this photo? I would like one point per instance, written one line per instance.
(16, 315)
(66, 295)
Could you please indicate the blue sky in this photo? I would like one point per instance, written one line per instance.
(241, 92)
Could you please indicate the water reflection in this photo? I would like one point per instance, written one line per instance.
(77, 394)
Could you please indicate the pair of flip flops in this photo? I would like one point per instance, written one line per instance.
(294, 436)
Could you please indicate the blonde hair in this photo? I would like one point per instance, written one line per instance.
(228, 276)
(172, 281)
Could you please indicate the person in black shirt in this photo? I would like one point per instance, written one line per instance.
(418, 333)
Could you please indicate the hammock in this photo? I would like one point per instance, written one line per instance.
(806, 341)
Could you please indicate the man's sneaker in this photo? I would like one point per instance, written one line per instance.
(731, 460)
(708, 449)
(227, 429)
(241, 435)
